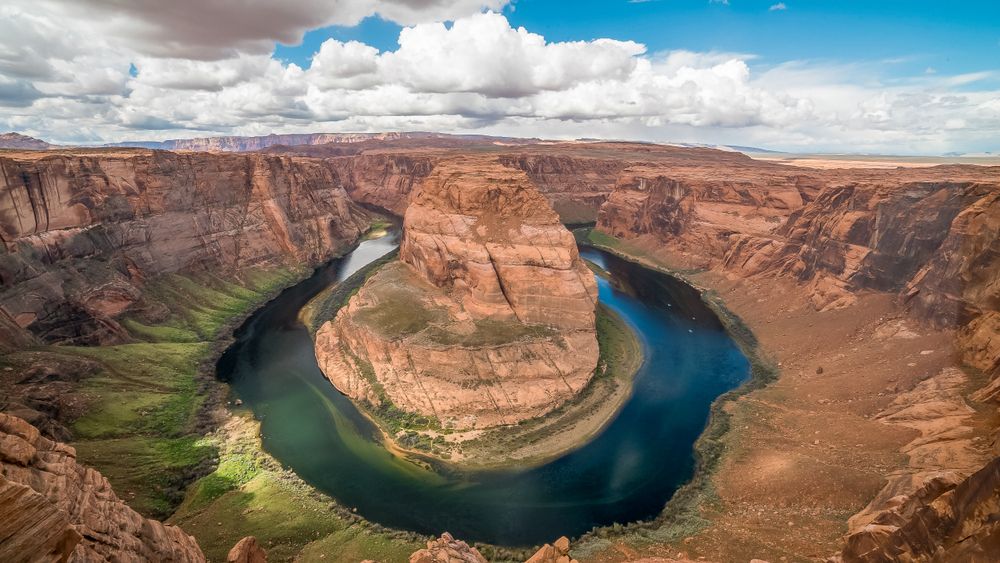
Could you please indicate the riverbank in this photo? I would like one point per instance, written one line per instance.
(797, 458)
(536, 441)
(530, 443)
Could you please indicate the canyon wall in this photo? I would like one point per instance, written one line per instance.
(82, 232)
(53, 509)
(931, 238)
(933, 242)
(488, 318)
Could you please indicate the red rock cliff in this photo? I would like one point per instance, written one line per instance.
(53, 509)
(81, 232)
(487, 319)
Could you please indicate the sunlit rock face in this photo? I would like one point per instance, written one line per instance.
(487, 318)
(55, 509)
(82, 232)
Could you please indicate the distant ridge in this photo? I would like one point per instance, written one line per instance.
(14, 140)
(246, 144)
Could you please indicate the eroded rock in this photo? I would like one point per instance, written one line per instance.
(52, 508)
(488, 317)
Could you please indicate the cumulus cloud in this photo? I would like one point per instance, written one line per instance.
(221, 28)
(69, 80)
(778, 7)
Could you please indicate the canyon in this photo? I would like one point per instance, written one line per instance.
(873, 292)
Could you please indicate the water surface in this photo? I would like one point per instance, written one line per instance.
(626, 473)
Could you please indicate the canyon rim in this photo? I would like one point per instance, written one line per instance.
(484, 280)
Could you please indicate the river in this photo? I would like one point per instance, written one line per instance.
(626, 473)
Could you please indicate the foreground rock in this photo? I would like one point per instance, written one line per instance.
(247, 550)
(845, 271)
(553, 553)
(52, 508)
(488, 317)
(946, 519)
(447, 548)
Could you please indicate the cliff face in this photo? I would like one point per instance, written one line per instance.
(947, 519)
(487, 319)
(53, 509)
(385, 180)
(933, 242)
(931, 238)
(82, 232)
(575, 186)
(485, 233)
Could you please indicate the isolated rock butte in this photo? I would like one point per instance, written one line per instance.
(53, 509)
(488, 318)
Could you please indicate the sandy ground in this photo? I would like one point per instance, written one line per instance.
(829, 162)
(811, 450)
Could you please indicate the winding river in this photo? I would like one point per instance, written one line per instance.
(627, 473)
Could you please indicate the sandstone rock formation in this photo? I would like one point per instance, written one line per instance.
(946, 519)
(82, 232)
(247, 550)
(53, 509)
(557, 552)
(487, 319)
(447, 548)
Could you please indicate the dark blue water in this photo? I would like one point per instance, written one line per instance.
(627, 473)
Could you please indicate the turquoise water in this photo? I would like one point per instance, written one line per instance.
(627, 473)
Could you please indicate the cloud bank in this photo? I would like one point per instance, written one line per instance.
(108, 70)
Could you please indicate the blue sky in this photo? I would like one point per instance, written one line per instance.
(912, 36)
(903, 77)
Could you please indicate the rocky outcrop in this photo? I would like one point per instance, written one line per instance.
(247, 550)
(487, 319)
(53, 509)
(82, 232)
(557, 552)
(487, 235)
(447, 548)
(947, 519)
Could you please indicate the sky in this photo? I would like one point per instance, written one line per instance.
(891, 77)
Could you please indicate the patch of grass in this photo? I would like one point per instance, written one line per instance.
(489, 332)
(142, 389)
(250, 494)
(141, 425)
(147, 472)
(159, 333)
(327, 303)
(398, 314)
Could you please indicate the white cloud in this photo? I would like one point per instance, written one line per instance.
(71, 82)
(221, 28)
(778, 7)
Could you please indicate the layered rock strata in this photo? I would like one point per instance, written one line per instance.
(488, 317)
(53, 509)
(82, 232)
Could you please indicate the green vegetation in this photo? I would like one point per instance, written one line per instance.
(399, 313)
(249, 493)
(489, 332)
(328, 302)
(142, 426)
